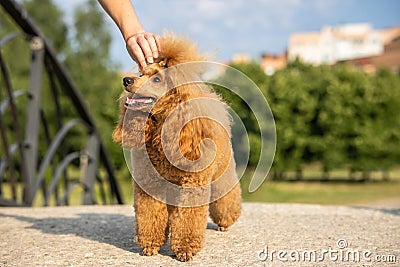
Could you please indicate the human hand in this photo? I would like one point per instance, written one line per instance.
(143, 47)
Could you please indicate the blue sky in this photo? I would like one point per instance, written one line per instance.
(227, 27)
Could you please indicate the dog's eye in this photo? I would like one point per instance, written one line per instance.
(156, 79)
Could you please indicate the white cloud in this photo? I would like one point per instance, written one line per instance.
(325, 7)
(68, 6)
(230, 26)
(227, 26)
(211, 8)
(196, 27)
(230, 23)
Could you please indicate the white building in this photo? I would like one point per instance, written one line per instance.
(334, 44)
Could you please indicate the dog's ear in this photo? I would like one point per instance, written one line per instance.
(117, 133)
(195, 130)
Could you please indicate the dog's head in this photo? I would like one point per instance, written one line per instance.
(142, 93)
(144, 90)
(149, 96)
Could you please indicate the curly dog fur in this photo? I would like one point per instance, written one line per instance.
(155, 220)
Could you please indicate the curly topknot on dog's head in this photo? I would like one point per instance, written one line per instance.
(177, 50)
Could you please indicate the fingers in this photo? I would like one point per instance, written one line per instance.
(149, 46)
(156, 48)
(143, 48)
(135, 51)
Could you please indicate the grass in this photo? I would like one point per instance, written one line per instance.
(325, 193)
(339, 191)
(335, 193)
(330, 193)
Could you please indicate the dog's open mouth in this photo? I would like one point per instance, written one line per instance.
(139, 101)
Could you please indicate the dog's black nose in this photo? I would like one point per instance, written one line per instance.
(128, 81)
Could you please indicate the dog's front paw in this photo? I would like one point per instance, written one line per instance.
(222, 229)
(150, 251)
(185, 256)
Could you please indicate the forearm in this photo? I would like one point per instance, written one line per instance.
(124, 15)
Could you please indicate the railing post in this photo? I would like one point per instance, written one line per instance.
(33, 176)
(33, 116)
(92, 156)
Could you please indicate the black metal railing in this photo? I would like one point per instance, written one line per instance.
(35, 161)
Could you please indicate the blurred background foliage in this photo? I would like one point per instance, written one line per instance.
(334, 117)
(84, 49)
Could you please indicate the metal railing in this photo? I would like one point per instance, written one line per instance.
(34, 161)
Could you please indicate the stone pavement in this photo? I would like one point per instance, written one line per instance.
(265, 235)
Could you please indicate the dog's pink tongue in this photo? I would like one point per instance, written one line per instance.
(141, 100)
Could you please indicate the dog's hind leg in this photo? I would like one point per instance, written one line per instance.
(226, 210)
(151, 222)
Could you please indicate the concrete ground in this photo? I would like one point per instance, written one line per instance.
(265, 235)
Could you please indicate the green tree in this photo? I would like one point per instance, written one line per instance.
(379, 144)
(84, 48)
(15, 53)
(94, 72)
(50, 19)
(241, 104)
(293, 104)
(338, 116)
